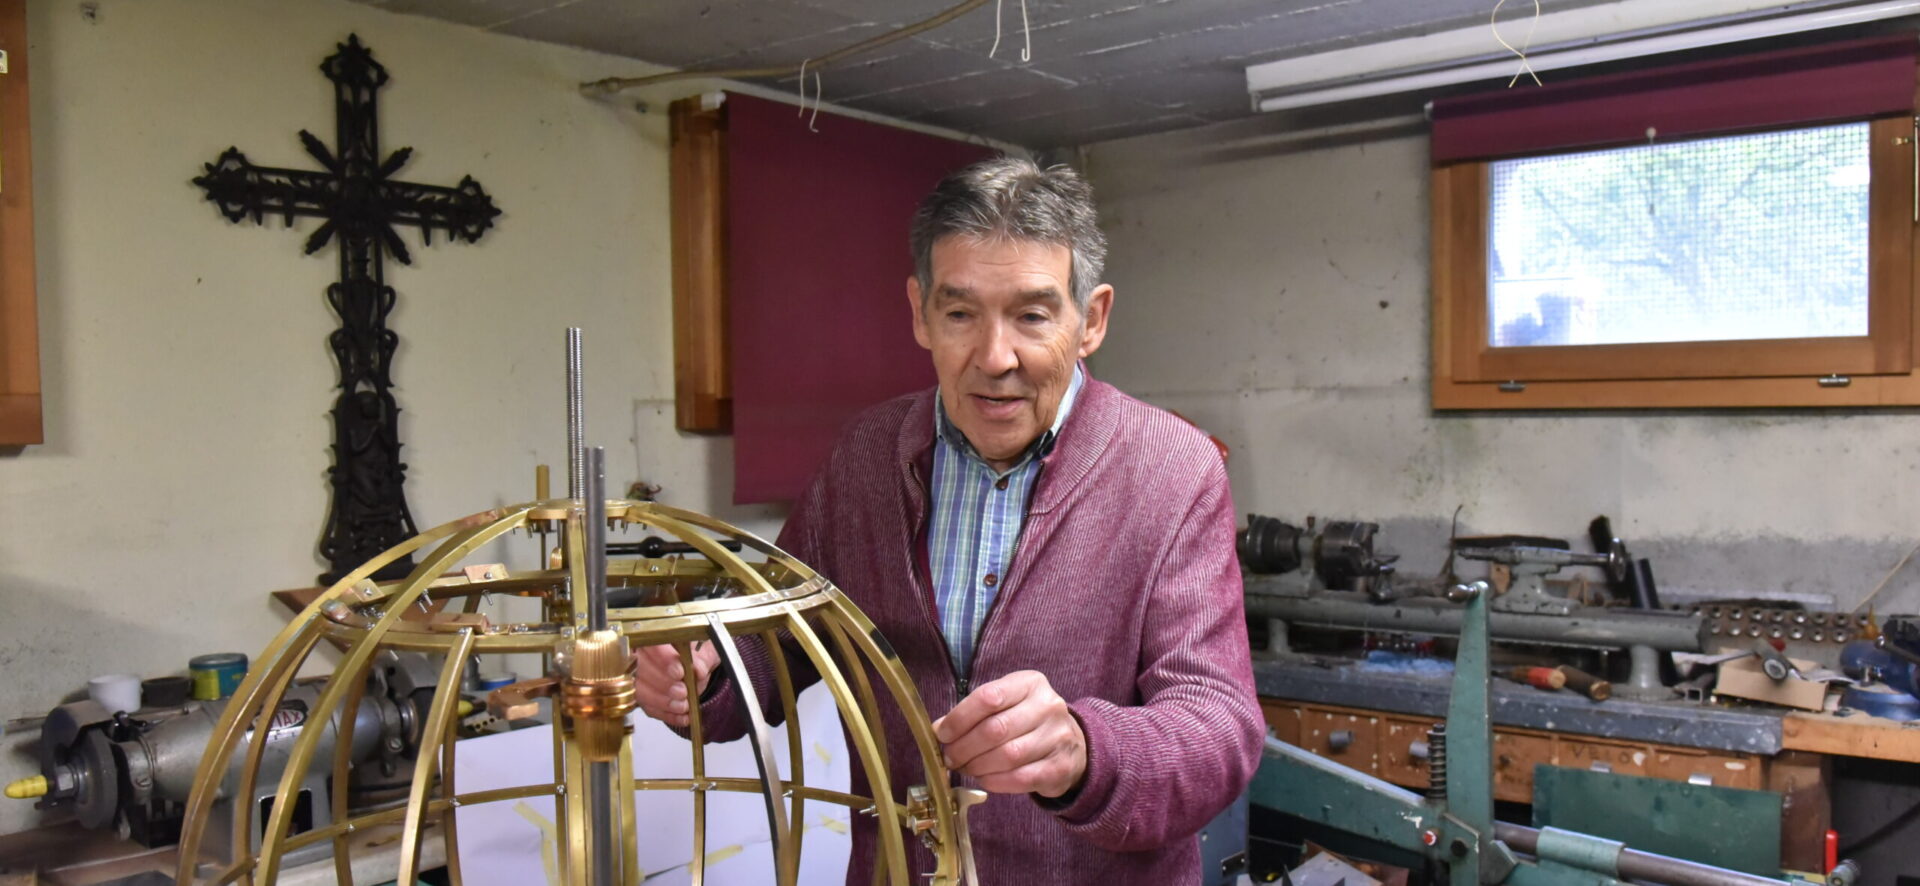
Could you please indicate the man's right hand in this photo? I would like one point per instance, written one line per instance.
(659, 680)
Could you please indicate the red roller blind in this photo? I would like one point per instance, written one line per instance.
(1809, 85)
(817, 267)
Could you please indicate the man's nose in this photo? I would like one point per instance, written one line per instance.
(995, 356)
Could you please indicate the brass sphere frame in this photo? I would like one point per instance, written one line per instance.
(780, 596)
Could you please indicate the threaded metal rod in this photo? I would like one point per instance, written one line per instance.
(576, 418)
(1437, 762)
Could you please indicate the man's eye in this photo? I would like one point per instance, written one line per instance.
(956, 315)
(1033, 317)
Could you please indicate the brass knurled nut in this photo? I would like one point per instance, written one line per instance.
(604, 699)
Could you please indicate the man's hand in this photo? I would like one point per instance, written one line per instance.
(1015, 735)
(659, 680)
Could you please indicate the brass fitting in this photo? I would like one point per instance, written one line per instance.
(599, 693)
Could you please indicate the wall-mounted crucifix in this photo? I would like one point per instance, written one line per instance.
(361, 203)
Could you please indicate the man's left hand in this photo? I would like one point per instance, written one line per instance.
(1015, 735)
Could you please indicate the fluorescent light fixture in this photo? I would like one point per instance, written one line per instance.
(1609, 32)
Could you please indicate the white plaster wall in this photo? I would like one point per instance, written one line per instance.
(1276, 292)
(187, 377)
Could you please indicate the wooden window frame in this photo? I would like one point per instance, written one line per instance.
(702, 379)
(1872, 370)
(20, 420)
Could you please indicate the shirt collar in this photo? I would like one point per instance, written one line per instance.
(945, 430)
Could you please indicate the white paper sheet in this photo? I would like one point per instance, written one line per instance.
(513, 842)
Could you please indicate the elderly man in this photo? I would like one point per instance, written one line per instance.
(1052, 560)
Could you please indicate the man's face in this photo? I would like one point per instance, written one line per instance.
(1005, 336)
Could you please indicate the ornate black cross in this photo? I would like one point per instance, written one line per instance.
(361, 203)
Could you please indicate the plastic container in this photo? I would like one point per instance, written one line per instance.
(115, 692)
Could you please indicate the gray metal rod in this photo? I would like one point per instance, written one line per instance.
(1636, 865)
(576, 418)
(596, 546)
(1586, 627)
(599, 775)
(600, 805)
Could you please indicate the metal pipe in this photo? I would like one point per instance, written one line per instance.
(1636, 865)
(599, 774)
(576, 418)
(596, 546)
(1586, 627)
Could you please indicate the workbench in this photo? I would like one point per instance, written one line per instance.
(69, 855)
(1370, 720)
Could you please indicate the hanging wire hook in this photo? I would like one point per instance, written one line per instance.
(996, 27)
(803, 87)
(1526, 67)
(818, 93)
(1026, 30)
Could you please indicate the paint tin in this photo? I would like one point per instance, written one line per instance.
(492, 681)
(216, 675)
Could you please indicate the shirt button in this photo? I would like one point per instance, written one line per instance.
(1002, 484)
(990, 580)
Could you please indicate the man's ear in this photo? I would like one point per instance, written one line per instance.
(1099, 306)
(914, 302)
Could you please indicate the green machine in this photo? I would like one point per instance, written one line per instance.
(1452, 825)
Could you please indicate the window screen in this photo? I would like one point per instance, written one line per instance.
(1740, 237)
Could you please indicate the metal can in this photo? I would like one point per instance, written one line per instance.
(217, 674)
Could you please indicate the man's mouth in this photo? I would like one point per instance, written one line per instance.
(996, 407)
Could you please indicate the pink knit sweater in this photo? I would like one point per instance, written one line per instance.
(1124, 591)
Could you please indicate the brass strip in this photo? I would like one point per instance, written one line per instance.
(712, 550)
(457, 545)
(951, 864)
(342, 771)
(304, 628)
(697, 867)
(749, 786)
(788, 867)
(893, 854)
(497, 794)
(629, 859)
(562, 822)
(748, 539)
(282, 676)
(371, 819)
(448, 794)
(863, 688)
(777, 825)
(446, 695)
(579, 867)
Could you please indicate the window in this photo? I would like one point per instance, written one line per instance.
(1729, 255)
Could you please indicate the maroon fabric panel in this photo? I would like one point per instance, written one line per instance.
(817, 267)
(1810, 85)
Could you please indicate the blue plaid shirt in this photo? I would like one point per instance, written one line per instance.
(975, 525)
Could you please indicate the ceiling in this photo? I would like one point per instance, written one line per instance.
(1100, 69)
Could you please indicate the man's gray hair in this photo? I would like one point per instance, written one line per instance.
(1013, 198)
